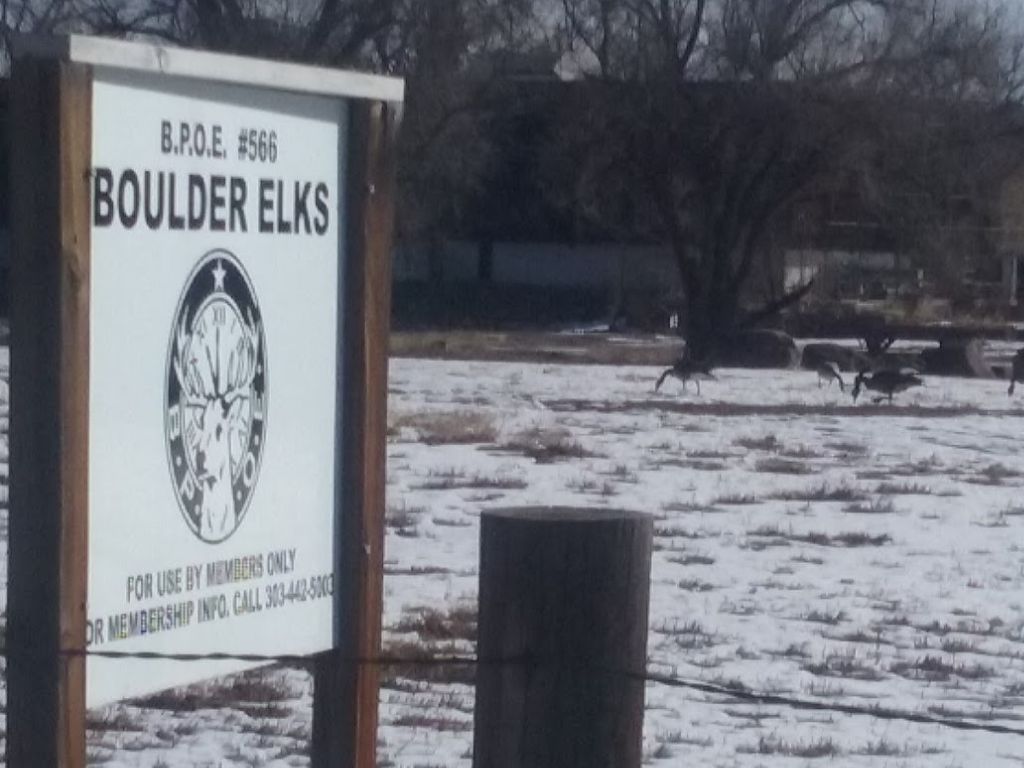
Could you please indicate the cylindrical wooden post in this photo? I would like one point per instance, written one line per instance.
(562, 638)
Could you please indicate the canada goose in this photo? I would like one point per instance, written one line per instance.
(687, 370)
(1017, 374)
(828, 372)
(888, 382)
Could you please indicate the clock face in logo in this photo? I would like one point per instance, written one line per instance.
(216, 396)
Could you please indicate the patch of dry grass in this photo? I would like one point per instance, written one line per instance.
(432, 625)
(699, 465)
(399, 676)
(908, 488)
(674, 531)
(710, 454)
(844, 664)
(936, 669)
(687, 507)
(402, 516)
(847, 449)
(452, 479)
(591, 486)
(459, 427)
(452, 522)
(930, 465)
(258, 685)
(695, 585)
(882, 748)
(622, 473)
(546, 446)
(433, 722)
(779, 466)
(846, 539)
(739, 499)
(822, 492)
(763, 443)
(117, 720)
(770, 745)
(879, 506)
(688, 635)
(994, 474)
(800, 452)
(692, 559)
(825, 617)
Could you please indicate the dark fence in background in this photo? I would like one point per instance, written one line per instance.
(481, 306)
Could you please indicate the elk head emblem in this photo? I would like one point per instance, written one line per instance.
(217, 364)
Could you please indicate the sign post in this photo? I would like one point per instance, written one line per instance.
(199, 323)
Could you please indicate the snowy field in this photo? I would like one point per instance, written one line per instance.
(867, 555)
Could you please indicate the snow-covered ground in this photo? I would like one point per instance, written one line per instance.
(868, 555)
(904, 591)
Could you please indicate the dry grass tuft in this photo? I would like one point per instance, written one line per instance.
(117, 720)
(401, 516)
(740, 499)
(451, 479)
(882, 748)
(800, 452)
(779, 466)
(255, 686)
(844, 664)
(546, 446)
(689, 506)
(460, 427)
(936, 669)
(769, 745)
(879, 506)
(908, 488)
(402, 677)
(432, 722)
(674, 531)
(700, 465)
(591, 486)
(930, 465)
(825, 617)
(847, 449)
(710, 454)
(692, 559)
(690, 635)
(822, 492)
(848, 539)
(994, 474)
(851, 539)
(432, 625)
(765, 443)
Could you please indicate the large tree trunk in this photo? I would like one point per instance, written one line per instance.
(713, 311)
(710, 317)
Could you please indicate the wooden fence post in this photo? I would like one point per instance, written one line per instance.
(345, 690)
(562, 638)
(46, 626)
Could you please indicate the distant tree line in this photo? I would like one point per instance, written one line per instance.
(699, 124)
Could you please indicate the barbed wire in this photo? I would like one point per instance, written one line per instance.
(733, 692)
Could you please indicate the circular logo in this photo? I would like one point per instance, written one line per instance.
(216, 398)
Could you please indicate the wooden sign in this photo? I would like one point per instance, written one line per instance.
(200, 293)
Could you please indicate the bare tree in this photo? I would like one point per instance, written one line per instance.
(28, 16)
(446, 50)
(713, 118)
(339, 32)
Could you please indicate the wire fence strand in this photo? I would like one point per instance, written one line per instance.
(733, 693)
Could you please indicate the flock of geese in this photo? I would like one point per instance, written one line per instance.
(886, 381)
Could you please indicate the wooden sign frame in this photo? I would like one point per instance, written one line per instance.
(50, 191)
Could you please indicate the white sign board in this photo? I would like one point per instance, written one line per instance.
(216, 241)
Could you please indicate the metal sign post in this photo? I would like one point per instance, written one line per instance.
(200, 296)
